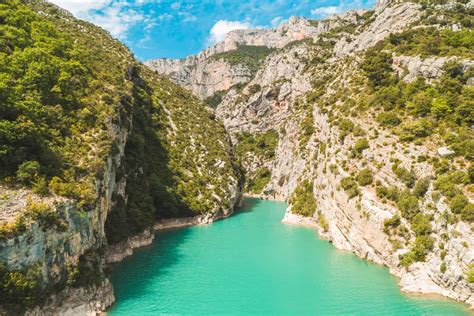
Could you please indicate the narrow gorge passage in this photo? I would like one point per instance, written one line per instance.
(251, 263)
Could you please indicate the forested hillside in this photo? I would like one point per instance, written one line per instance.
(94, 148)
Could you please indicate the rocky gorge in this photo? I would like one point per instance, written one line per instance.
(362, 121)
(309, 130)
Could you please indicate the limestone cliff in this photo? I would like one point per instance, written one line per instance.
(349, 121)
(95, 149)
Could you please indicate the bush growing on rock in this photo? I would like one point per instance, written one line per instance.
(378, 67)
(322, 221)
(412, 130)
(421, 225)
(448, 183)
(361, 145)
(259, 181)
(408, 204)
(470, 273)
(351, 187)
(28, 171)
(365, 177)
(388, 119)
(418, 252)
(407, 177)
(392, 222)
(20, 287)
(302, 200)
(467, 213)
(458, 202)
(421, 187)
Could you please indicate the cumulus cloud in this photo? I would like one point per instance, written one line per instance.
(326, 10)
(222, 27)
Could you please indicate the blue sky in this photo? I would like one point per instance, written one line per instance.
(177, 28)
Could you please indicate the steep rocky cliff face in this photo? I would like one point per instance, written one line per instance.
(95, 149)
(363, 123)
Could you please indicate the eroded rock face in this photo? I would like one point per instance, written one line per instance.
(387, 20)
(428, 68)
(206, 76)
(274, 98)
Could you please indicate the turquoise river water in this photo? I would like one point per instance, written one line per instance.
(251, 264)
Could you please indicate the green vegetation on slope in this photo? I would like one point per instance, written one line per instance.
(259, 148)
(68, 94)
(302, 200)
(246, 55)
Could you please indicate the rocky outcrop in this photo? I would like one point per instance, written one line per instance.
(118, 252)
(205, 76)
(428, 68)
(388, 19)
(89, 301)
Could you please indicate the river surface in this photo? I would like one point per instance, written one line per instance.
(250, 263)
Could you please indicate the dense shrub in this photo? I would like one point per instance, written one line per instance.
(408, 204)
(262, 145)
(302, 200)
(214, 100)
(306, 129)
(365, 177)
(458, 202)
(351, 187)
(246, 55)
(377, 67)
(448, 183)
(259, 181)
(420, 224)
(322, 221)
(420, 104)
(407, 177)
(392, 222)
(388, 119)
(470, 273)
(361, 145)
(390, 193)
(421, 187)
(28, 172)
(467, 213)
(417, 129)
(20, 289)
(418, 251)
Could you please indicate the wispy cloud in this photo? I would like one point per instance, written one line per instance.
(343, 6)
(326, 10)
(117, 17)
(222, 27)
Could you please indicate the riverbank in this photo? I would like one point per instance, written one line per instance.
(275, 269)
(407, 280)
(116, 253)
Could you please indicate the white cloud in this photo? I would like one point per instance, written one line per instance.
(326, 10)
(344, 5)
(222, 27)
(117, 17)
(187, 17)
(81, 6)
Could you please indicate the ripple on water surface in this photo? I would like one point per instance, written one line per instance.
(250, 263)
